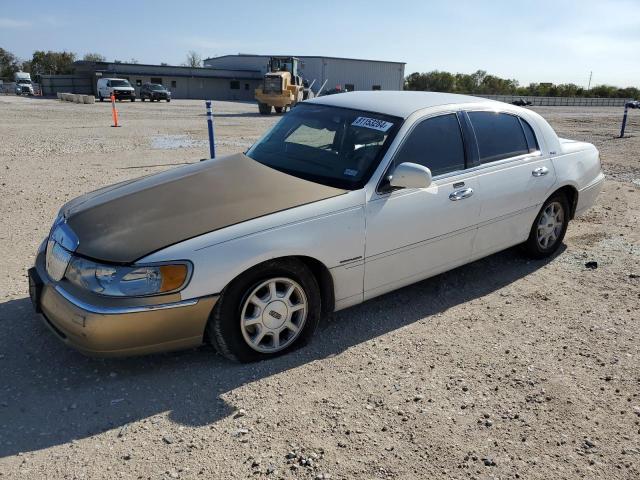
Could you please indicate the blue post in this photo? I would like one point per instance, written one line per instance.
(624, 120)
(212, 148)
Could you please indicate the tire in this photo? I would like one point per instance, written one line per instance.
(549, 228)
(101, 98)
(168, 100)
(230, 339)
(278, 109)
(141, 98)
(133, 99)
(264, 109)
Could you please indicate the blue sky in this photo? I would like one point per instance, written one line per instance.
(531, 41)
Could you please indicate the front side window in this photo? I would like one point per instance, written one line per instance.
(499, 135)
(334, 146)
(435, 143)
(234, 85)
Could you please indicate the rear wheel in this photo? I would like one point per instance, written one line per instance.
(267, 311)
(549, 227)
(264, 109)
(278, 109)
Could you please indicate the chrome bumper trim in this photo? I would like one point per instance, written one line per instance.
(120, 310)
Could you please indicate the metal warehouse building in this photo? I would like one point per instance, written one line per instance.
(346, 73)
(230, 77)
(184, 82)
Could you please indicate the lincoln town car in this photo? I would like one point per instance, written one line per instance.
(346, 198)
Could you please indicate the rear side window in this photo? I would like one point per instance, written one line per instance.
(531, 137)
(499, 135)
(435, 143)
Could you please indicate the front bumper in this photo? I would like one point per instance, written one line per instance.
(283, 99)
(110, 327)
(124, 94)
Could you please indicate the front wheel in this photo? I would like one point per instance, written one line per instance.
(549, 227)
(101, 98)
(267, 311)
(264, 109)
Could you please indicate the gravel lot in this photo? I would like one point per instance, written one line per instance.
(505, 368)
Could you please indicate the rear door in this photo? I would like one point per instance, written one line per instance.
(415, 233)
(514, 176)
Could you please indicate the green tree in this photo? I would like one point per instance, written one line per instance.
(52, 63)
(94, 57)
(9, 63)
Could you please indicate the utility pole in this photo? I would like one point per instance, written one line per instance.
(590, 75)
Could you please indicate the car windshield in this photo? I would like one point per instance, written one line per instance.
(334, 146)
(24, 81)
(120, 83)
(157, 87)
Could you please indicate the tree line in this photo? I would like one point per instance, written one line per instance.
(481, 82)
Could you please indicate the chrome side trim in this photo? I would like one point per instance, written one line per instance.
(121, 310)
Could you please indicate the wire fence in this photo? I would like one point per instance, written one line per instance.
(561, 101)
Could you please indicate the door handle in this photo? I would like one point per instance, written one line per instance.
(540, 171)
(461, 194)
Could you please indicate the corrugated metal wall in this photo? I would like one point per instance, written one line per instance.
(362, 74)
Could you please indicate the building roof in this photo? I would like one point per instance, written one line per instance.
(396, 103)
(304, 56)
(144, 69)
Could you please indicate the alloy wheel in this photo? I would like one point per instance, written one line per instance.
(273, 314)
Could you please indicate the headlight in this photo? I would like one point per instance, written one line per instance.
(127, 281)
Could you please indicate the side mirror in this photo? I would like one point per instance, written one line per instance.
(410, 175)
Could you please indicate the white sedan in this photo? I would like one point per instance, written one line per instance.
(347, 197)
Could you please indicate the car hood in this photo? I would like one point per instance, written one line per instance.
(127, 221)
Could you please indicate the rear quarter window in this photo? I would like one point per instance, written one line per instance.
(499, 135)
(532, 141)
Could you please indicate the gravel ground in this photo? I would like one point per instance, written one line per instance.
(505, 368)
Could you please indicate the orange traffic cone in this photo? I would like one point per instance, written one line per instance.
(114, 112)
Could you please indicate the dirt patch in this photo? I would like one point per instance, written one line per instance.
(505, 368)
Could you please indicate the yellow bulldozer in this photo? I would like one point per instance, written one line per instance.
(282, 87)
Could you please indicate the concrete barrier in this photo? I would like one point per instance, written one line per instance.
(76, 98)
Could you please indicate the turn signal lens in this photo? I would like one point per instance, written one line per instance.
(173, 276)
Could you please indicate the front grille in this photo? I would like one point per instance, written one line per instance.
(272, 85)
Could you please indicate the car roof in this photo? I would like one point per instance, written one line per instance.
(396, 103)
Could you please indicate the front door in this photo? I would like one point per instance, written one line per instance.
(412, 234)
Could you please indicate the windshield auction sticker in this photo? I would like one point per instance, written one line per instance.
(372, 123)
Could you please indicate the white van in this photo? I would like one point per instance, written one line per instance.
(120, 88)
